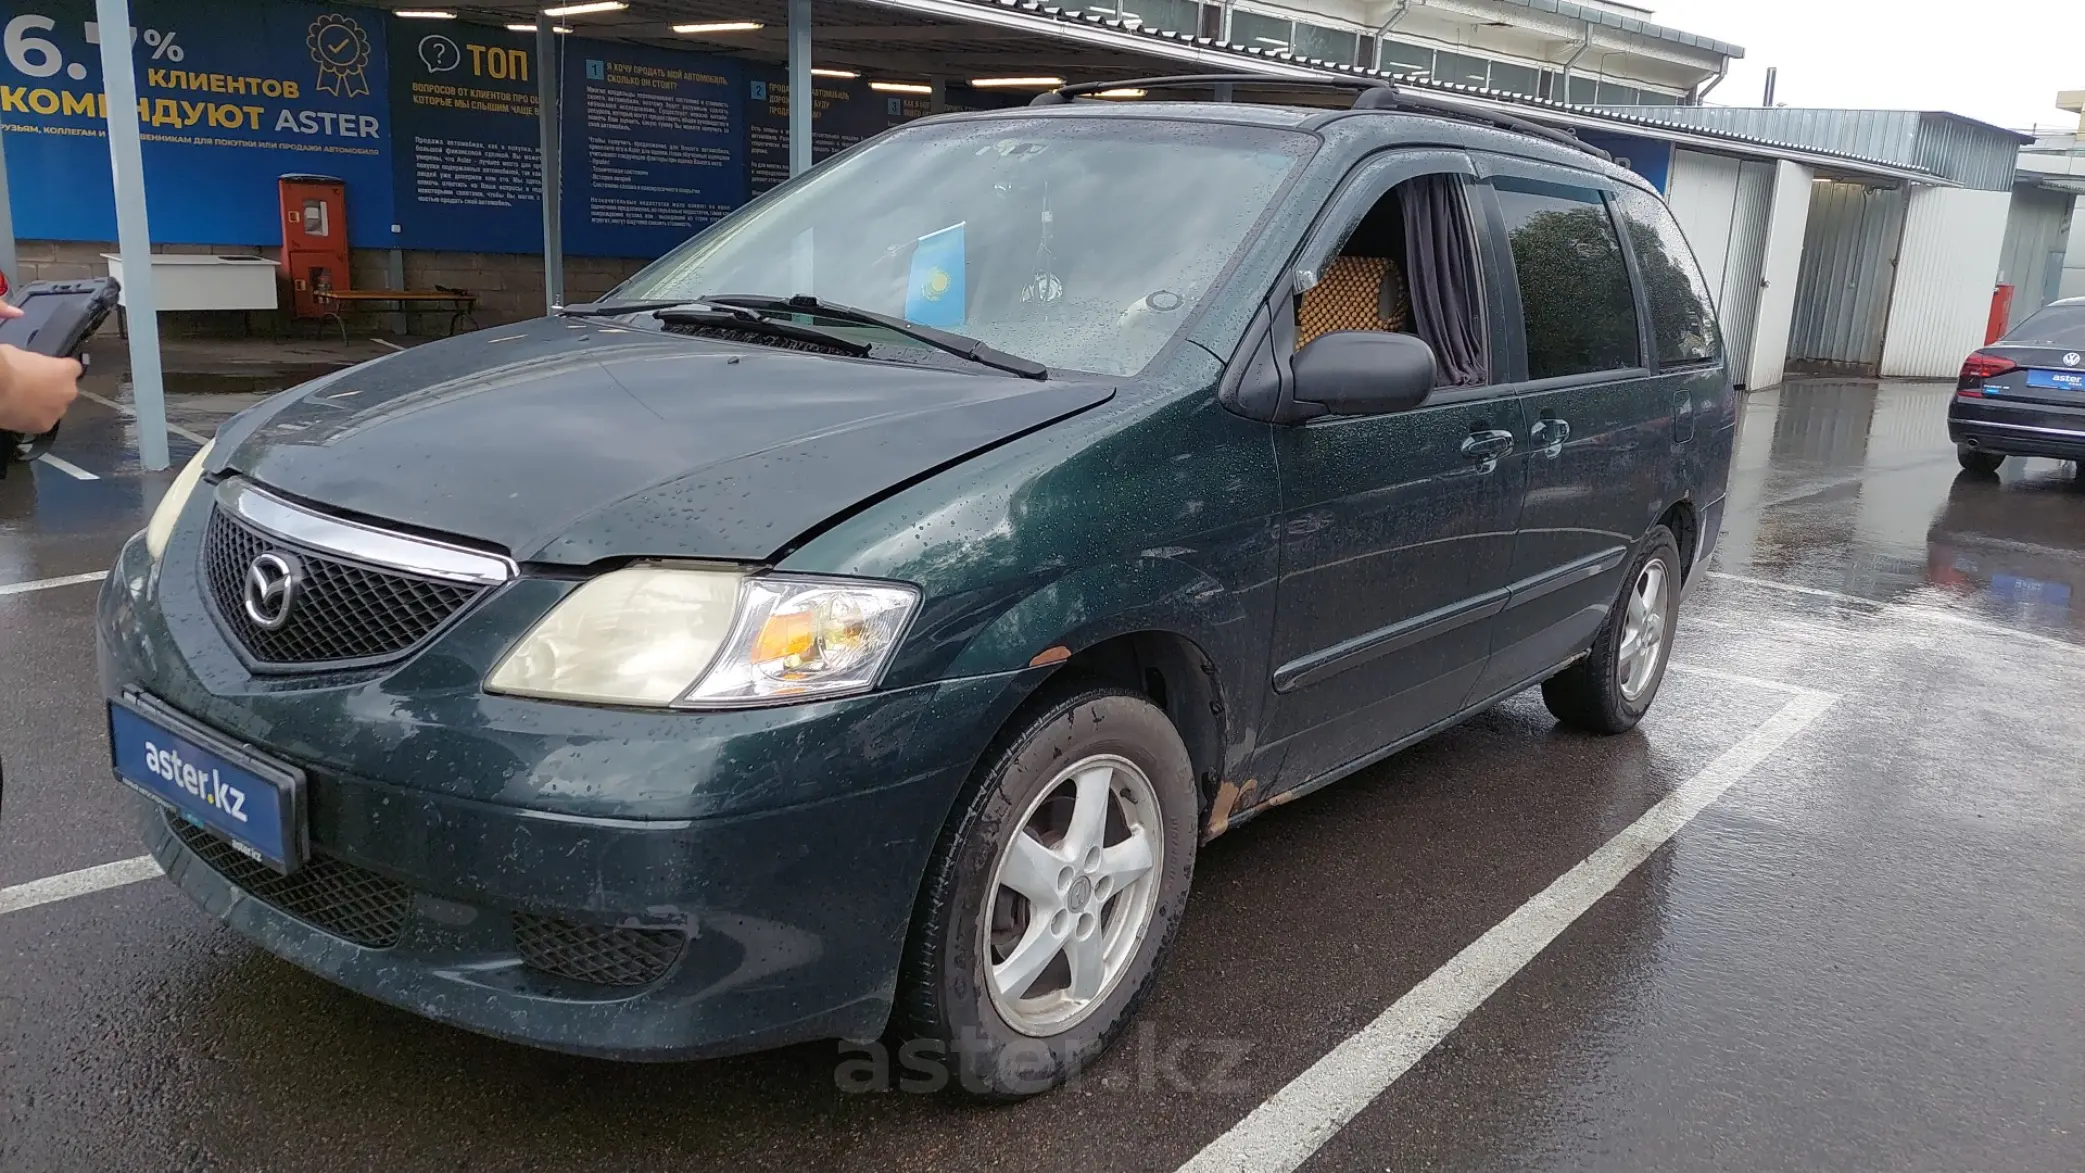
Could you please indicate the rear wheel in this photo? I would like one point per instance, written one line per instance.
(1053, 894)
(1610, 690)
(1977, 460)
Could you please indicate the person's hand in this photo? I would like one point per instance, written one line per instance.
(7, 311)
(35, 390)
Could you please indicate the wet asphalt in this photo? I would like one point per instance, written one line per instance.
(1869, 953)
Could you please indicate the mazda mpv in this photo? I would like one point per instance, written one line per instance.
(854, 624)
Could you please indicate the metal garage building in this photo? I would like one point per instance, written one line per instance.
(1893, 277)
(2045, 242)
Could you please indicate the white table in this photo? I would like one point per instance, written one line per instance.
(189, 281)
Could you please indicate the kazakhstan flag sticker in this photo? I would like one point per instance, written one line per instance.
(934, 293)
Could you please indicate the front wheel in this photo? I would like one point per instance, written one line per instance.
(1610, 690)
(1977, 460)
(1053, 894)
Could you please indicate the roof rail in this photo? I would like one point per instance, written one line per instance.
(1395, 99)
(1375, 94)
(1064, 94)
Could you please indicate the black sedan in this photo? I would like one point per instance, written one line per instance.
(2024, 395)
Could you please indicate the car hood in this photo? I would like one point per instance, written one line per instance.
(571, 441)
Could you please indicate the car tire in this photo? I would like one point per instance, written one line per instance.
(968, 1018)
(1612, 687)
(1978, 460)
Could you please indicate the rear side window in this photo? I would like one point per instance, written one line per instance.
(1683, 320)
(1574, 286)
(2055, 325)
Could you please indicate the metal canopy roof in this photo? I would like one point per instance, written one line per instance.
(908, 39)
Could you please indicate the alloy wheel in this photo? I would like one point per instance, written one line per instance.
(1072, 895)
(1643, 631)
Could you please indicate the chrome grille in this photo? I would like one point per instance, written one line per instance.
(349, 902)
(345, 614)
(594, 953)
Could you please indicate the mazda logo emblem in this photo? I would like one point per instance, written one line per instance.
(2073, 359)
(272, 583)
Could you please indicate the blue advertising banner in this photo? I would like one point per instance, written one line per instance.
(654, 147)
(232, 95)
(1647, 157)
(843, 113)
(469, 169)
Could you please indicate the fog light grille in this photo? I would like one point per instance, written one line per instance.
(593, 953)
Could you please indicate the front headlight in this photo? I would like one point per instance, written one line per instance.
(161, 527)
(667, 636)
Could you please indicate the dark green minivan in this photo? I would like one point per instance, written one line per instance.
(856, 622)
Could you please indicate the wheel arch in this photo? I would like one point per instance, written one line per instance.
(1681, 518)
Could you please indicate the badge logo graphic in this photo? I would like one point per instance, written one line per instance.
(341, 49)
(272, 583)
(2073, 359)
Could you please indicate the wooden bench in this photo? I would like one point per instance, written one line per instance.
(462, 301)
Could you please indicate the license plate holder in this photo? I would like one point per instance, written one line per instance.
(235, 793)
(2057, 380)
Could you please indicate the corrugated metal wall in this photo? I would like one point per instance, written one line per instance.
(1747, 261)
(2032, 262)
(1972, 153)
(1723, 205)
(1842, 295)
(1945, 273)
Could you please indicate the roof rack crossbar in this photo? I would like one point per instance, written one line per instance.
(1420, 104)
(1064, 94)
(1375, 94)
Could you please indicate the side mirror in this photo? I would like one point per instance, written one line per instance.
(1358, 372)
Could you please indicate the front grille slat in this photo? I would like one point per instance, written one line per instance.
(595, 954)
(345, 613)
(328, 894)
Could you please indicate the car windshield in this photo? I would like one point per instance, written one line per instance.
(2056, 325)
(1081, 243)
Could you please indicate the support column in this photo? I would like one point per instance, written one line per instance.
(937, 99)
(133, 233)
(8, 258)
(800, 95)
(548, 134)
(1788, 222)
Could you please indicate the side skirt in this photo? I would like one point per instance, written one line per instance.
(1336, 773)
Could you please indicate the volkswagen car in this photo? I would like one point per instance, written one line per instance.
(2024, 395)
(854, 625)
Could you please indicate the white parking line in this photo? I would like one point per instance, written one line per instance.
(44, 584)
(1296, 1121)
(79, 883)
(68, 468)
(126, 409)
(1933, 614)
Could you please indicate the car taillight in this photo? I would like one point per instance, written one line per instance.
(1982, 366)
(3, 285)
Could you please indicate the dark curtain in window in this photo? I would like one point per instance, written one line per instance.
(1441, 268)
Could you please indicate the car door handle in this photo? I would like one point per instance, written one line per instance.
(1487, 445)
(1550, 432)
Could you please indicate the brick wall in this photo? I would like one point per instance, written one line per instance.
(509, 285)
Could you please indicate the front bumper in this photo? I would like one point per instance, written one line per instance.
(777, 853)
(2013, 428)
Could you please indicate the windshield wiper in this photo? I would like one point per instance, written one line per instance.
(728, 317)
(610, 309)
(959, 345)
